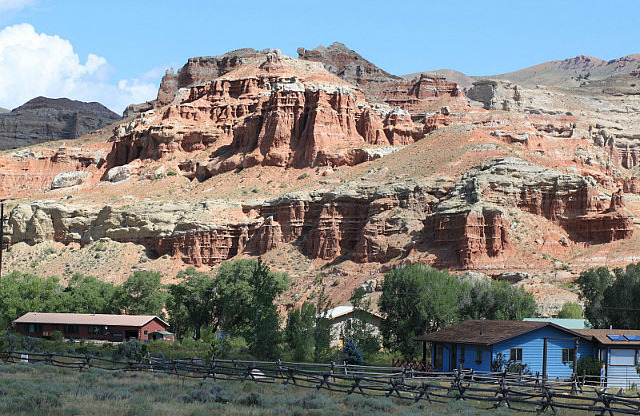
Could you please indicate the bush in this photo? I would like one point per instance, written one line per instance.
(172, 173)
(303, 176)
(589, 366)
(56, 336)
(130, 350)
(253, 399)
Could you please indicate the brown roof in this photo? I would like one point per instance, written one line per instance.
(85, 319)
(600, 335)
(488, 332)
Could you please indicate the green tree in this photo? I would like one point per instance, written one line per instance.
(246, 292)
(622, 297)
(357, 328)
(592, 284)
(190, 303)
(142, 293)
(300, 322)
(22, 293)
(88, 294)
(351, 353)
(570, 310)
(417, 299)
(496, 300)
(322, 328)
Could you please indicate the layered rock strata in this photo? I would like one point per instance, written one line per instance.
(271, 111)
(363, 220)
(474, 220)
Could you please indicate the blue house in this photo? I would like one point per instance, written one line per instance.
(619, 350)
(545, 348)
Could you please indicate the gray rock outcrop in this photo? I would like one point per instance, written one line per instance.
(45, 119)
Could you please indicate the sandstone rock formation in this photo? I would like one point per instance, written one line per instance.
(421, 94)
(67, 179)
(474, 222)
(45, 119)
(271, 110)
(363, 220)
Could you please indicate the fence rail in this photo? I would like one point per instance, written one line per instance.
(524, 393)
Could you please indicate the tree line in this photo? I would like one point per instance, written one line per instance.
(611, 297)
(239, 302)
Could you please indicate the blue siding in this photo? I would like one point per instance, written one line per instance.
(532, 344)
(470, 356)
(469, 362)
(621, 375)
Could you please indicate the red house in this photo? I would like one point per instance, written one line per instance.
(90, 326)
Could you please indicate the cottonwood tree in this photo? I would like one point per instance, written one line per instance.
(246, 292)
(416, 299)
(191, 302)
(22, 293)
(141, 294)
(88, 294)
(592, 284)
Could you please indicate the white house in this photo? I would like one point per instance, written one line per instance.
(343, 316)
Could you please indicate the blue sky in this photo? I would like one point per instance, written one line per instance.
(123, 47)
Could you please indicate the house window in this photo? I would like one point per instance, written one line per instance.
(438, 356)
(461, 354)
(478, 355)
(145, 332)
(71, 329)
(96, 330)
(515, 355)
(568, 355)
(33, 328)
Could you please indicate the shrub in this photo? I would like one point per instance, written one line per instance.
(172, 173)
(303, 176)
(253, 399)
(56, 336)
(130, 350)
(589, 366)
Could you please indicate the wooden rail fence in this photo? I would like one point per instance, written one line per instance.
(524, 393)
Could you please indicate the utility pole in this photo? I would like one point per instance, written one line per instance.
(1, 234)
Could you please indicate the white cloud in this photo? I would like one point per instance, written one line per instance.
(14, 5)
(34, 64)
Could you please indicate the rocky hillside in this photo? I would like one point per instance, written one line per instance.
(45, 119)
(569, 72)
(254, 153)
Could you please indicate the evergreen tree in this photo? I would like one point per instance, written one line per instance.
(351, 353)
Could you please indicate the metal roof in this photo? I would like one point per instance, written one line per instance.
(563, 322)
(85, 319)
(339, 311)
